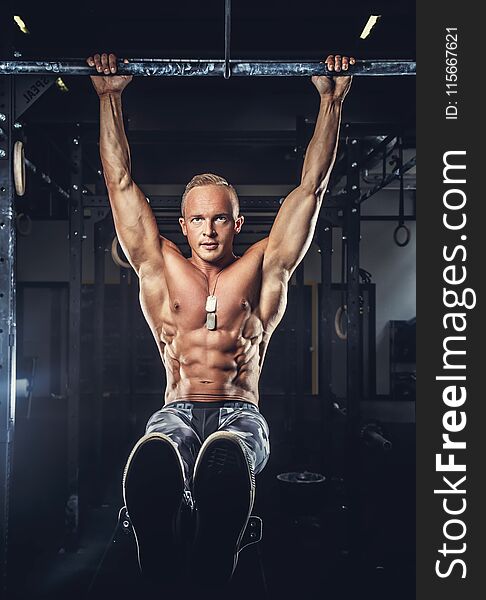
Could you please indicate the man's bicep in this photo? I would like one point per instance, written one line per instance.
(293, 229)
(274, 289)
(135, 223)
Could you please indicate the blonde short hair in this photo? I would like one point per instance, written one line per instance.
(209, 179)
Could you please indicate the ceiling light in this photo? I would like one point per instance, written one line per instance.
(61, 85)
(21, 24)
(369, 26)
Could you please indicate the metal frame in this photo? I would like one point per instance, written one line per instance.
(372, 341)
(163, 206)
(349, 204)
(324, 240)
(126, 346)
(340, 167)
(353, 342)
(74, 360)
(7, 315)
(368, 387)
(173, 203)
(297, 414)
(352, 228)
(101, 229)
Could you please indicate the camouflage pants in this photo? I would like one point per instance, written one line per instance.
(188, 424)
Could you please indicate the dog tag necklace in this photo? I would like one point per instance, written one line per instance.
(211, 304)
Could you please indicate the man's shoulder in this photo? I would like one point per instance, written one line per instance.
(156, 264)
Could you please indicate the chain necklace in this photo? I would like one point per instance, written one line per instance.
(211, 304)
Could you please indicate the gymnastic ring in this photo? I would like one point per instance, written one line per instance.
(24, 224)
(19, 167)
(398, 228)
(116, 256)
(342, 335)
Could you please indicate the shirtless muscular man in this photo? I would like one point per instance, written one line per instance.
(212, 316)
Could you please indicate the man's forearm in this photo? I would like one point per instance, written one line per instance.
(114, 149)
(321, 152)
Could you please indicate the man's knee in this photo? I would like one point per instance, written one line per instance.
(258, 448)
(253, 431)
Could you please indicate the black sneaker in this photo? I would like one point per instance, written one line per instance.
(153, 488)
(224, 492)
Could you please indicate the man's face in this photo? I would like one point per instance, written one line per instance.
(209, 222)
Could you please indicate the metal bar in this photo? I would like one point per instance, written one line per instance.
(227, 39)
(380, 148)
(98, 354)
(7, 317)
(324, 239)
(168, 67)
(169, 138)
(74, 360)
(125, 345)
(255, 204)
(286, 137)
(401, 204)
(387, 218)
(173, 203)
(381, 128)
(352, 232)
(354, 350)
(361, 388)
(289, 380)
(134, 307)
(54, 344)
(47, 179)
(371, 341)
(339, 202)
(300, 351)
(298, 322)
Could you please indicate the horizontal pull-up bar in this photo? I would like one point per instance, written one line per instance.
(165, 67)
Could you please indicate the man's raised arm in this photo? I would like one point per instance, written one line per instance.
(134, 220)
(293, 229)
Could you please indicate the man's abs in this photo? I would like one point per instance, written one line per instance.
(211, 365)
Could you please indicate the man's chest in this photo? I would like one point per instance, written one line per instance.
(188, 300)
(225, 304)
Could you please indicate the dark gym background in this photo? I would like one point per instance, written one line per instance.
(352, 532)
